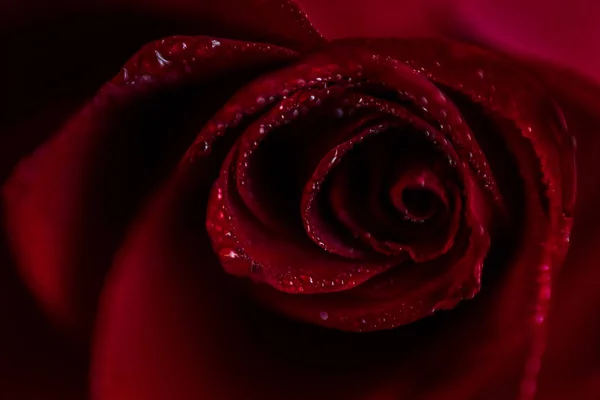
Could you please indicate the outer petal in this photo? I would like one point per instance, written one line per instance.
(565, 33)
(36, 362)
(68, 204)
(571, 366)
(62, 51)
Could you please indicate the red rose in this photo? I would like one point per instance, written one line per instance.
(360, 185)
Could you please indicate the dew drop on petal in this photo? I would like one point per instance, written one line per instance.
(229, 253)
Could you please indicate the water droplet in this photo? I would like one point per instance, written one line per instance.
(254, 268)
(144, 78)
(260, 101)
(161, 60)
(529, 387)
(339, 113)
(480, 73)
(324, 315)
(545, 292)
(229, 253)
(215, 43)
(538, 318)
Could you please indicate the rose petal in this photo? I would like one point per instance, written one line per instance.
(571, 365)
(292, 264)
(73, 198)
(160, 332)
(32, 351)
(351, 191)
(154, 317)
(338, 19)
(58, 70)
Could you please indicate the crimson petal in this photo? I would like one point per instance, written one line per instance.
(74, 196)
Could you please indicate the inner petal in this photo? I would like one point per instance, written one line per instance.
(280, 151)
(289, 263)
(357, 180)
(419, 195)
(418, 203)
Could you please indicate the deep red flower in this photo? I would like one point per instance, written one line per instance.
(358, 185)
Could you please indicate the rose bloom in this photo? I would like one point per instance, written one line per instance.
(334, 200)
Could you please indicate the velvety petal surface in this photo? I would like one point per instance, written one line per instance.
(72, 199)
(488, 347)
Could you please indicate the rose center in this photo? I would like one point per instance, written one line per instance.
(419, 203)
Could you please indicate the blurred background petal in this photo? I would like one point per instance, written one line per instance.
(376, 18)
(565, 32)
